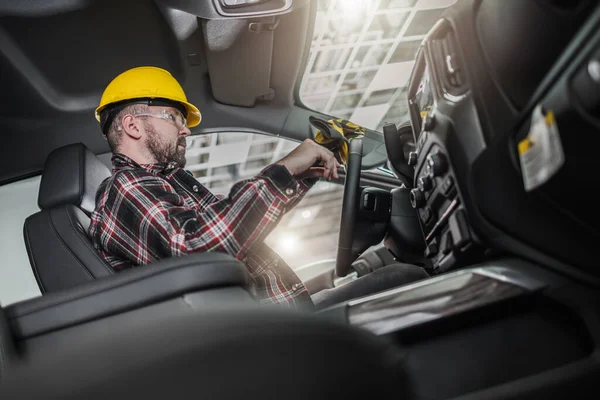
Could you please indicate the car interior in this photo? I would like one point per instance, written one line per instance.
(483, 193)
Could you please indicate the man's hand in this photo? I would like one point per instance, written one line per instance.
(303, 160)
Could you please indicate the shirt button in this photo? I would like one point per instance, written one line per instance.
(289, 191)
(196, 188)
(296, 286)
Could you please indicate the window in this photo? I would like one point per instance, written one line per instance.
(362, 55)
(18, 201)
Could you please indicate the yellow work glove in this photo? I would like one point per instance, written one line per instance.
(334, 134)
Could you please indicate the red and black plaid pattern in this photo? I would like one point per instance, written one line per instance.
(149, 212)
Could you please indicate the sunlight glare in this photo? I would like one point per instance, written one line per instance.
(354, 8)
(288, 243)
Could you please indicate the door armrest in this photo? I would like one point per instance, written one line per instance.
(127, 290)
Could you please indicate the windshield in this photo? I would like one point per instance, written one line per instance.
(361, 57)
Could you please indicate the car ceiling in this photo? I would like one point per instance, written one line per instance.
(57, 56)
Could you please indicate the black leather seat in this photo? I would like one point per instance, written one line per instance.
(60, 251)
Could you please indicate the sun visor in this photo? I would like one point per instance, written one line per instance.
(239, 54)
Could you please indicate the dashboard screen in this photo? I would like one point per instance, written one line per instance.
(424, 95)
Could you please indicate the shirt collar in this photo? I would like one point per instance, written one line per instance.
(122, 162)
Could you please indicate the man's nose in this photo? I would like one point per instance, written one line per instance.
(185, 131)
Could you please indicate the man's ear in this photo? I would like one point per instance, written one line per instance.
(131, 127)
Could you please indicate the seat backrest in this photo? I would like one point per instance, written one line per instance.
(60, 251)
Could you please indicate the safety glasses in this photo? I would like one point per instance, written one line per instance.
(176, 117)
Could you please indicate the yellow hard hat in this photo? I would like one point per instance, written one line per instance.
(149, 85)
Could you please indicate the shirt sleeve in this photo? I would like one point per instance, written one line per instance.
(147, 219)
(303, 187)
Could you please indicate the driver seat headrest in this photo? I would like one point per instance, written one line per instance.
(72, 175)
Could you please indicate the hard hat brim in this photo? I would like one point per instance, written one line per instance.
(193, 114)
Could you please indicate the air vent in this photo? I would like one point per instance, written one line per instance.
(448, 62)
(451, 64)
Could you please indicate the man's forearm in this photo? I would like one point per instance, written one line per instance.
(250, 212)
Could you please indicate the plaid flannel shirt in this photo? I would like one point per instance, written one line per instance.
(149, 212)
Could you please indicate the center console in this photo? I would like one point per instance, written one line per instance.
(446, 296)
(489, 327)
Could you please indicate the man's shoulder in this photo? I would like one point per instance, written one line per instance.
(131, 179)
(129, 176)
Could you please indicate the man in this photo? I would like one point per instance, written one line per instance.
(151, 208)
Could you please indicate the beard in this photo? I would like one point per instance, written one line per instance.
(162, 150)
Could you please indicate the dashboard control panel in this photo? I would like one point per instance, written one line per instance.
(436, 87)
(443, 219)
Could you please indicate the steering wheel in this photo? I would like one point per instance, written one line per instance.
(349, 208)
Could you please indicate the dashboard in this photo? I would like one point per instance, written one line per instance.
(471, 99)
